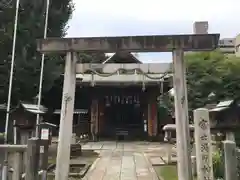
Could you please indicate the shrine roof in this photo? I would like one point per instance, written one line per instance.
(223, 105)
(76, 111)
(122, 57)
(33, 108)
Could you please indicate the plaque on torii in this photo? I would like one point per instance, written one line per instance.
(156, 43)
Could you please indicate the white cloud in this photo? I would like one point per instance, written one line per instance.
(124, 17)
(145, 17)
(152, 10)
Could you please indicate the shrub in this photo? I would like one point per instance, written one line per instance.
(218, 164)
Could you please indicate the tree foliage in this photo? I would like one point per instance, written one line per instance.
(92, 57)
(211, 77)
(28, 60)
(212, 72)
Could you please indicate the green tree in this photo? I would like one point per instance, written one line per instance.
(28, 60)
(211, 72)
(92, 57)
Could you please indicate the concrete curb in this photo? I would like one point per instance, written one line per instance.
(151, 169)
(92, 167)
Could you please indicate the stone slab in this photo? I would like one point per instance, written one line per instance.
(121, 161)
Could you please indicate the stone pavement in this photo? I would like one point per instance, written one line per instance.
(122, 161)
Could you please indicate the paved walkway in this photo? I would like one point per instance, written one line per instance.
(122, 161)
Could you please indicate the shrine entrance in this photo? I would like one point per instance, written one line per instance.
(123, 117)
(124, 105)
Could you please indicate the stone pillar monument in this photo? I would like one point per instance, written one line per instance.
(203, 144)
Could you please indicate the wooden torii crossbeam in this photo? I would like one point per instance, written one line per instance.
(159, 43)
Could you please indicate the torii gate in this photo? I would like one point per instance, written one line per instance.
(176, 44)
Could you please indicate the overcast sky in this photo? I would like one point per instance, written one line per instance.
(146, 17)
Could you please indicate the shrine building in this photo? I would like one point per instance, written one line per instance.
(120, 95)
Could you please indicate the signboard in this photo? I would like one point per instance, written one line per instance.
(41, 149)
(45, 134)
